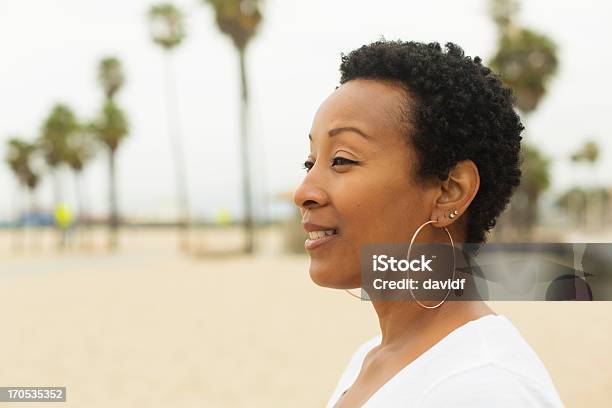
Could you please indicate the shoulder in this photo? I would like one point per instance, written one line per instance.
(483, 363)
(506, 348)
(489, 385)
(491, 364)
(492, 340)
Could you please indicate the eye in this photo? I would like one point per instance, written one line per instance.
(308, 165)
(341, 161)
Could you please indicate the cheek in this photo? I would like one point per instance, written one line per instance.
(383, 211)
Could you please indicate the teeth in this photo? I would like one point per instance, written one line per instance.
(320, 234)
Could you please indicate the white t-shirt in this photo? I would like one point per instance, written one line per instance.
(484, 363)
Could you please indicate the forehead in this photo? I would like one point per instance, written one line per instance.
(373, 106)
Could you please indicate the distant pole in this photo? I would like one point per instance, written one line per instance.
(176, 144)
(114, 213)
(244, 154)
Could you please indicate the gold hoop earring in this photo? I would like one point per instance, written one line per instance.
(408, 258)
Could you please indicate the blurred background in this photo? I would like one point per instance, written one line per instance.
(150, 252)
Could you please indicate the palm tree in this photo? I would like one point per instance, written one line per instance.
(80, 150)
(239, 20)
(536, 179)
(19, 158)
(503, 12)
(57, 128)
(110, 76)
(110, 128)
(168, 31)
(588, 153)
(526, 61)
(575, 202)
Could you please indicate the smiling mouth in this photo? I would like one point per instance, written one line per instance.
(322, 234)
(318, 238)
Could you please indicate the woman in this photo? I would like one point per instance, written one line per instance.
(417, 137)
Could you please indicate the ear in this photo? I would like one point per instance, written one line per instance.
(456, 193)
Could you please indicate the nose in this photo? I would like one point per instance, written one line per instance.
(310, 193)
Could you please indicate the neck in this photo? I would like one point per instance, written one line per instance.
(404, 321)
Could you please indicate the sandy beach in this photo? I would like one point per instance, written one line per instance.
(150, 327)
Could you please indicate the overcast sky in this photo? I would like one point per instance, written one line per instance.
(50, 52)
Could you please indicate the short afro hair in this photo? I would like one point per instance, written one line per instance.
(458, 109)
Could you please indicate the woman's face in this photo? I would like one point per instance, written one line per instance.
(360, 183)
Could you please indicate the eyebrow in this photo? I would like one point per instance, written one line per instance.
(335, 131)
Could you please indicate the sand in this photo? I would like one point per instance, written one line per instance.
(150, 327)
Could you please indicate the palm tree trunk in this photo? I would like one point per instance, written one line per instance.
(176, 144)
(572, 208)
(85, 217)
(80, 218)
(77, 192)
(57, 189)
(37, 231)
(19, 229)
(57, 192)
(244, 153)
(112, 194)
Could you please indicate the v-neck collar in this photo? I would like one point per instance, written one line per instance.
(430, 350)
